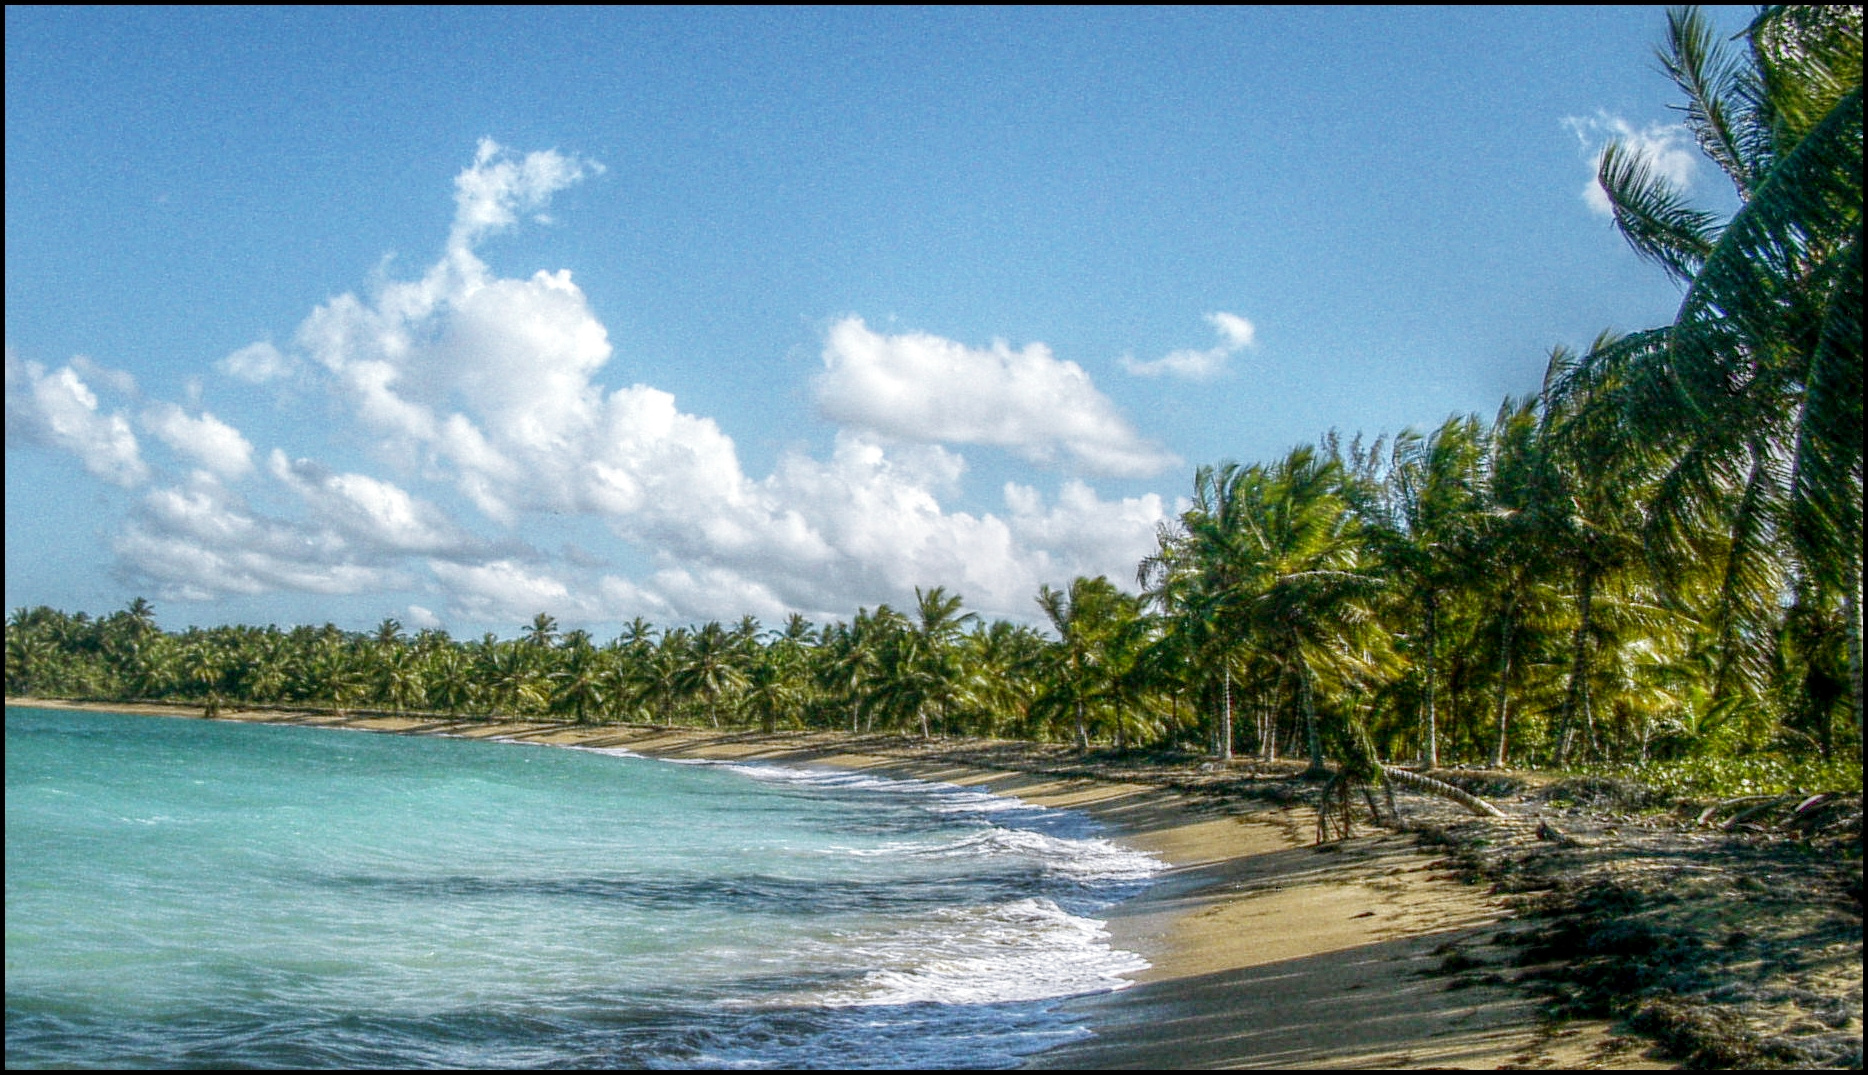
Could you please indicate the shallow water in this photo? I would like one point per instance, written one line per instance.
(191, 893)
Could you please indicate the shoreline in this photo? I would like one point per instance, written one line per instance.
(1265, 951)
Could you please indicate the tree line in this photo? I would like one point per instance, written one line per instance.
(1657, 555)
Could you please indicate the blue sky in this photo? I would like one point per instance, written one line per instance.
(458, 315)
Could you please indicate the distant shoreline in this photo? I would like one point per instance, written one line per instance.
(1265, 951)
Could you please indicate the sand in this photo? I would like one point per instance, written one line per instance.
(1266, 951)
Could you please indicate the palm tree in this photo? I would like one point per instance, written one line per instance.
(774, 690)
(399, 680)
(1751, 400)
(449, 682)
(1194, 574)
(1272, 559)
(579, 685)
(512, 679)
(1424, 515)
(1086, 618)
(1004, 659)
(917, 668)
(848, 658)
(939, 627)
(711, 669)
(543, 631)
(29, 658)
(1513, 592)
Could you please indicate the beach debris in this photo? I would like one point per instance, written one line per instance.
(1442, 789)
(1336, 802)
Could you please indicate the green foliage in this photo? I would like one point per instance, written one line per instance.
(1651, 567)
(1725, 776)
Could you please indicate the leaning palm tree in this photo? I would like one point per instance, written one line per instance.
(1750, 402)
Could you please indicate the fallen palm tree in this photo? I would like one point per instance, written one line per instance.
(1336, 804)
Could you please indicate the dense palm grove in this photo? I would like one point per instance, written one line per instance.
(1656, 557)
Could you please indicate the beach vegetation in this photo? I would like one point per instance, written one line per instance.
(1649, 568)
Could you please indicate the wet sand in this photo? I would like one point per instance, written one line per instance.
(1267, 951)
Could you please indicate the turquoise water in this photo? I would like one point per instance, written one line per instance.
(196, 893)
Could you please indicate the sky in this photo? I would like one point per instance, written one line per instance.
(458, 315)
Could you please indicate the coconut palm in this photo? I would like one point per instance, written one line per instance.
(1194, 575)
(578, 687)
(542, 631)
(711, 668)
(1272, 560)
(1424, 517)
(919, 677)
(1749, 405)
(1084, 617)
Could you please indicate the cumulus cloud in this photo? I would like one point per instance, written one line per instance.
(206, 440)
(921, 387)
(505, 589)
(1235, 334)
(1668, 149)
(374, 514)
(488, 385)
(57, 409)
(199, 540)
(1082, 534)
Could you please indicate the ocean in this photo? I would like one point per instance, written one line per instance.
(188, 893)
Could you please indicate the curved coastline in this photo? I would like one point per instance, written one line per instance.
(1265, 951)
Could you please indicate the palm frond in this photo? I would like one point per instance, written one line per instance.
(1713, 82)
(1653, 214)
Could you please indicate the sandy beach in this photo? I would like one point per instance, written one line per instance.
(1266, 951)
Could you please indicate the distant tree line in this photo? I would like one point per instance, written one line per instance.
(1656, 556)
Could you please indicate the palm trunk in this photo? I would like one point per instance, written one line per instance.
(1310, 717)
(1225, 720)
(1577, 697)
(1432, 757)
(1271, 714)
(1852, 629)
(1501, 706)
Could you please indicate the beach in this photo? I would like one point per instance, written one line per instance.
(1265, 949)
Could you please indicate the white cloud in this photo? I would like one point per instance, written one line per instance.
(920, 387)
(1084, 534)
(59, 410)
(1668, 148)
(199, 540)
(258, 363)
(489, 195)
(1235, 334)
(423, 620)
(505, 590)
(489, 385)
(118, 381)
(207, 440)
(376, 515)
(1236, 330)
